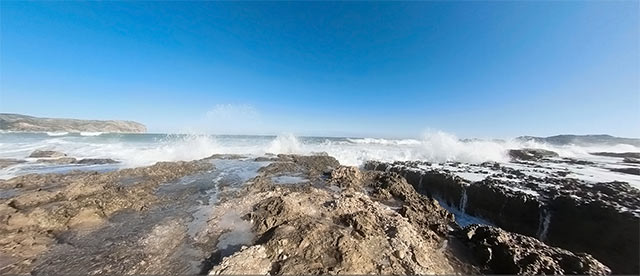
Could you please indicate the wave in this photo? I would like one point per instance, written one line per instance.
(135, 150)
(87, 133)
(54, 134)
(285, 143)
(383, 141)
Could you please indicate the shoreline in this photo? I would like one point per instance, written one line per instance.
(236, 220)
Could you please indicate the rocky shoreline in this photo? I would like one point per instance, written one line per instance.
(601, 218)
(230, 214)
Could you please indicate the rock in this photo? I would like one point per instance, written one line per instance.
(631, 160)
(90, 223)
(508, 253)
(549, 208)
(95, 161)
(17, 122)
(50, 205)
(347, 177)
(618, 154)
(60, 161)
(250, 261)
(47, 154)
(531, 154)
(87, 218)
(634, 171)
(8, 162)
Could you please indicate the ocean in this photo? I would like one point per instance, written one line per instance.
(133, 150)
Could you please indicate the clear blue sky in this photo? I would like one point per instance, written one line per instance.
(476, 69)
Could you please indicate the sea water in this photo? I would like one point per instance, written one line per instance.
(133, 150)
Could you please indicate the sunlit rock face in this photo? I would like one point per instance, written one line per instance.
(552, 199)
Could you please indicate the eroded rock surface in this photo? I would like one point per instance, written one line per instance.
(46, 206)
(538, 201)
(233, 215)
(512, 253)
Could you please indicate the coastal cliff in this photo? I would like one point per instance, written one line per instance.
(24, 123)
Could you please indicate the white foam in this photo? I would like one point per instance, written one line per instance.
(54, 134)
(384, 141)
(140, 150)
(86, 133)
(286, 143)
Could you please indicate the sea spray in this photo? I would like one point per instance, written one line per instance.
(285, 143)
(463, 200)
(543, 224)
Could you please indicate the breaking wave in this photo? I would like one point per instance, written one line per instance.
(145, 149)
(86, 133)
(54, 134)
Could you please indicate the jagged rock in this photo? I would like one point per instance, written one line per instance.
(549, 208)
(47, 154)
(531, 154)
(377, 223)
(509, 253)
(250, 261)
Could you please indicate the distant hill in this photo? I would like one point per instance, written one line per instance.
(17, 122)
(582, 139)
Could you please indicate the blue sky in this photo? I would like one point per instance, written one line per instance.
(386, 69)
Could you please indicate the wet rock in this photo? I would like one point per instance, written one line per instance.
(549, 208)
(618, 154)
(47, 154)
(313, 166)
(60, 161)
(95, 161)
(50, 205)
(8, 162)
(634, 171)
(631, 160)
(531, 154)
(226, 156)
(508, 253)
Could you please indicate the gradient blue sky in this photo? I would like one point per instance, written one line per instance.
(476, 69)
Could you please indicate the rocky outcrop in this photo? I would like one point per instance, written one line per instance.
(16, 122)
(618, 154)
(511, 253)
(332, 220)
(45, 206)
(362, 222)
(531, 154)
(46, 154)
(549, 209)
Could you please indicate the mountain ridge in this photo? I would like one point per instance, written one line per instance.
(26, 123)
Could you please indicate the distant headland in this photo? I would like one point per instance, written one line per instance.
(25, 123)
